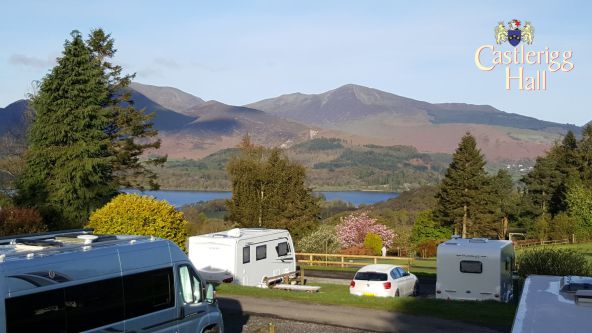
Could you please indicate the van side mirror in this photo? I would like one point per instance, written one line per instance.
(210, 293)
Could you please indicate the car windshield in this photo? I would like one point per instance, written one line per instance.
(371, 276)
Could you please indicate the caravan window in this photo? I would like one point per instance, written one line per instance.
(246, 254)
(282, 249)
(470, 266)
(261, 252)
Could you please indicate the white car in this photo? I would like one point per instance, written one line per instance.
(383, 281)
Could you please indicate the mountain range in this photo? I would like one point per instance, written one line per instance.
(193, 128)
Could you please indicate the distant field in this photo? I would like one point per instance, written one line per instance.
(491, 314)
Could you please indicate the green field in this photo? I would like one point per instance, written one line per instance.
(492, 314)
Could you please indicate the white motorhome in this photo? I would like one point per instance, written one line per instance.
(475, 269)
(246, 256)
(75, 281)
(551, 304)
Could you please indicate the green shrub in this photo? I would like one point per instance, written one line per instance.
(16, 221)
(373, 243)
(547, 261)
(133, 214)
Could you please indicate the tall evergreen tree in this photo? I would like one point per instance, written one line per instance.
(69, 167)
(462, 189)
(130, 129)
(268, 190)
(585, 156)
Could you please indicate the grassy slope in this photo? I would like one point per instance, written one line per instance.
(331, 165)
(484, 313)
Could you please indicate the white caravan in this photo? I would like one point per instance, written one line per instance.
(247, 256)
(475, 269)
(551, 304)
(79, 282)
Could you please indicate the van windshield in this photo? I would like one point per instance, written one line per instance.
(370, 276)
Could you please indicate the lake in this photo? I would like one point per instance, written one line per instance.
(181, 198)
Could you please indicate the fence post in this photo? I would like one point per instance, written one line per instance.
(409, 264)
(342, 260)
(375, 261)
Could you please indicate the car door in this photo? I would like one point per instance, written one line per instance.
(406, 281)
(192, 306)
(396, 276)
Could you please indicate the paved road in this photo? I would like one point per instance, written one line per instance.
(342, 316)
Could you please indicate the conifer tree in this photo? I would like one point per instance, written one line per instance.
(269, 190)
(69, 167)
(462, 189)
(130, 129)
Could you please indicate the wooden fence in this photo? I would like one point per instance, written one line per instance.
(535, 242)
(350, 260)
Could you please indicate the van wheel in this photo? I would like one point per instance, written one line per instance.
(213, 329)
(397, 293)
(416, 289)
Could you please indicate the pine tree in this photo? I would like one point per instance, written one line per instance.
(461, 190)
(130, 129)
(69, 168)
(268, 190)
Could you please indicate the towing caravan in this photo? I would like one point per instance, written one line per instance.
(76, 281)
(475, 269)
(246, 256)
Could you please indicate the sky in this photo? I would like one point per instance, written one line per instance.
(239, 52)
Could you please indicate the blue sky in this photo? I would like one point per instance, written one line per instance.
(239, 52)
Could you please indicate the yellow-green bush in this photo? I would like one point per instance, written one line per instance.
(373, 242)
(132, 214)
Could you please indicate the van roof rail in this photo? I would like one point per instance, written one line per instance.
(478, 240)
(7, 239)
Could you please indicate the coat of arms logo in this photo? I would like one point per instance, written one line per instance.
(514, 32)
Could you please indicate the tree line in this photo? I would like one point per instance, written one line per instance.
(555, 197)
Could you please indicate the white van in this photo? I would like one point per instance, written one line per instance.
(75, 281)
(248, 256)
(475, 269)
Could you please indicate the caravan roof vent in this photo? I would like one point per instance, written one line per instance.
(584, 297)
(234, 232)
(455, 236)
(478, 240)
(572, 284)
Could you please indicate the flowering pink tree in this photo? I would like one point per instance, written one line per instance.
(353, 228)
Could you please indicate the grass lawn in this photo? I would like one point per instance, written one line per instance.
(491, 314)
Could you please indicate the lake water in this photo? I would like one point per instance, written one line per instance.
(181, 198)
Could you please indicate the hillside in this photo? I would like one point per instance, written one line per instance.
(13, 118)
(192, 128)
(374, 116)
(168, 97)
(332, 164)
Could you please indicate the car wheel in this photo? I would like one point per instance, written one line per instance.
(397, 293)
(416, 289)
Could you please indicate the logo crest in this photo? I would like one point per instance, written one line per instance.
(514, 32)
